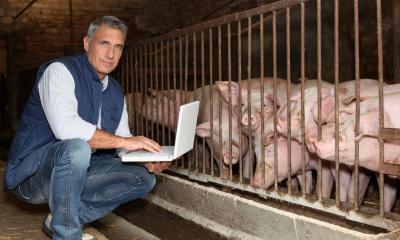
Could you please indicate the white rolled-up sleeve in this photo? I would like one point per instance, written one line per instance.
(57, 95)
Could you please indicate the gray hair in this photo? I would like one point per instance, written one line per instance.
(110, 21)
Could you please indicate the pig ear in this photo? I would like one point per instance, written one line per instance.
(327, 106)
(270, 98)
(152, 92)
(203, 130)
(327, 91)
(349, 100)
(223, 87)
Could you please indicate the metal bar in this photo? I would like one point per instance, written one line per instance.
(225, 19)
(145, 91)
(288, 72)
(162, 88)
(186, 78)
(275, 75)
(336, 66)
(151, 88)
(181, 160)
(195, 86)
(221, 166)
(239, 39)
(249, 98)
(319, 77)
(357, 126)
(203, 97)
(230, 98)
(262, 97)
(137, 118)
(141, 87)
(174, 83)
(131, 113)
(158, 90)
(302, 50)
(24, 9)
(211, 97)
(381, 104)
(168, 87)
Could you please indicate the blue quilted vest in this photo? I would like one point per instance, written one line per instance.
(34, 136)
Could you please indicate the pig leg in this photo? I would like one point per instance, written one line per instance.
(294, 184)
(345, 178)
(363, 180)
(327, 180)
(389, 193)
(246, 165)
(308, 183)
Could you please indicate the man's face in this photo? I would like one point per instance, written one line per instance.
(104, 49)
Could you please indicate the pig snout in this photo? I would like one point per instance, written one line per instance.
(230, 158)
(254, 120)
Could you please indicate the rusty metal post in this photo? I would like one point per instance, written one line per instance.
(336, 63)
(288, 72)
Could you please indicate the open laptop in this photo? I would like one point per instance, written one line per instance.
(184, 139)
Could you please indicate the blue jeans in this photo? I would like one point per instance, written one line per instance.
(80, 187)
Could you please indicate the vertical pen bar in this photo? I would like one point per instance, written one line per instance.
(147, 110)
(288, 69)
(168, 115)
(319, 77)
(162, 88)
(195, 86)
(239, 39)
(175, 105)
(275, 73)
(140, 87)
(230, 98)
(381, 104)
(357, 127)
(303, 151)
(249, 97)
(181, 160)
(132, 113)
(262, 96)
(203, 97)
(142, 96)
(186, 79)
(211, 95)
(336, 66)
(158, 107)
(153, 119)
(137, 118)
(221, 166)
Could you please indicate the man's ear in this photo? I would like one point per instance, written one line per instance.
(86, 41)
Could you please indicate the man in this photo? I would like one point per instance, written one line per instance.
(74, 109)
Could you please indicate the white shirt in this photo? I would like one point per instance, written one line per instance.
(57, 95)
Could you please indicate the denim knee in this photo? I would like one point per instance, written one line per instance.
(145, 181)
(76, 152)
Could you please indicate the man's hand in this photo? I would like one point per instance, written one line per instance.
(141, 142)
(157, 167)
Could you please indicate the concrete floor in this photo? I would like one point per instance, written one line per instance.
(19, 220)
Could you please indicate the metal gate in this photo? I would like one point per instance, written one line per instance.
(160, 73)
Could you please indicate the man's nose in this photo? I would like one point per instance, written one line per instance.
(110, 52)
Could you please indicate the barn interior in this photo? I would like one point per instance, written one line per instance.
(186, 46)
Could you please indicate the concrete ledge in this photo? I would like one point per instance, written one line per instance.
(239, 218)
